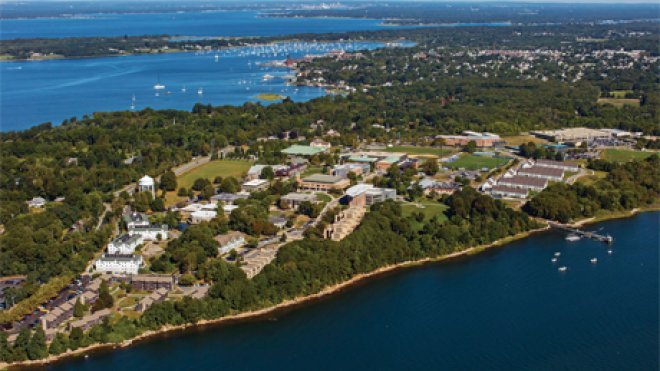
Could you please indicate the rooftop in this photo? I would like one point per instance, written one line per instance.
(255, 182)
(301, 150)
(525, 181)
(543, 171)
(322, 178)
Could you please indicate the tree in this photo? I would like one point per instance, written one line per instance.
(200, 183)
(19, 351)
(168, 181)
(59, 344)
(217, 180)
(187, 280)
(142, 201)
(430, 167)
(229, 185)
(79, 309)
(158, 204)
(5, 350)
(208, 191)
(182, 192)
(105, 300)
(37, 348)
(309, 209)
(267, 173)
(76, 338)
(470, 147)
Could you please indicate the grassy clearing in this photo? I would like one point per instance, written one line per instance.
(209, 170)
(619, 93)
(591, 179)
(312, 169)
(415, 150)
(619, 102)
(428, 208)
(473, 162)
(624, 155)
(270, 96)
(517, 140)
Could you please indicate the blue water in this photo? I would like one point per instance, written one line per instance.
(505, 309)
(35, 92)
(212, 23)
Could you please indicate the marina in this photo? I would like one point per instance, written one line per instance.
(577, 234)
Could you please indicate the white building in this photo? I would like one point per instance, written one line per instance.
(36, 202)
(119, 264)
(150, 232)
(255, 185)
(230, 241)
(372, 194)
(135, 219)
(202, 216)
(124, 244)
(147, 184)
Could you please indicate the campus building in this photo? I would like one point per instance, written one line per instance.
(124, 244)
(548, 173)
(119, 264)
(523, 182)
(323, 182)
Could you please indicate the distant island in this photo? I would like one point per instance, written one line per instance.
(270, 96)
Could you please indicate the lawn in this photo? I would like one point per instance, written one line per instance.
(428, 208)
(312, 169)
(619, 102)
(517, 140)
(619, 93)
(592, 178)
(474, 162)
(210, 170)
(624, 155)
(415, 150)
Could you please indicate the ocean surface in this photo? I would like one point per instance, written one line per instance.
(505, 309)
(208, 23)
(32, 93)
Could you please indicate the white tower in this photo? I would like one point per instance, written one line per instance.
(147, 184)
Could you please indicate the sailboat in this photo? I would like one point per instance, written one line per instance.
(158, 85)
(200, 91)
(183, 89)
(133, 102)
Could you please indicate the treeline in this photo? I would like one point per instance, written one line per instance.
(626, 186)
(301, 268)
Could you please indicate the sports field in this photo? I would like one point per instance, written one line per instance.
(473, 162)
(624, 155)
(415, 150)
(210, 170)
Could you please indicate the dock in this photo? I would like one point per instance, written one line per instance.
(592, 235)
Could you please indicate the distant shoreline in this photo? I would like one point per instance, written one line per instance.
(329, 290)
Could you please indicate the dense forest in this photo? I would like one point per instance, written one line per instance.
(626, 186)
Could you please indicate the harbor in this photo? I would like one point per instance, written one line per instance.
(576, 233)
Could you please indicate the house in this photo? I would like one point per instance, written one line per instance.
(345, 169)
(124, 244)
(320, 143)
(385, 163)
(370, 193)
(256, 185)
(58, 315)
(508, 192)
(480, 139)
(149, 300)
(91, 320)
(36, 202)
(548, 173)
(523, 182)
(199, 216)
(278, 221)
(229, 198)
(151, 232)
(323, 182)
(302, 151)
(566, 166)
(230, 241)
(294, 199)
(254, 172)
(119, 264)
(135, 219)
(151, 282)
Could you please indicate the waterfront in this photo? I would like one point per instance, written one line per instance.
(194, 23)
(54, 90)
(506, 308)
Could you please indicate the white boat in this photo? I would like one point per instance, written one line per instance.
(554, 260)
(183, 89)
(159, 86)
(200, 91)
(594, 260)
(268, 77)
(562, 269)
(557, 253)
(609, 252)
(217, 57)
(573, 237)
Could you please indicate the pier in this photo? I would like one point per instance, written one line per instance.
(592, 235)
